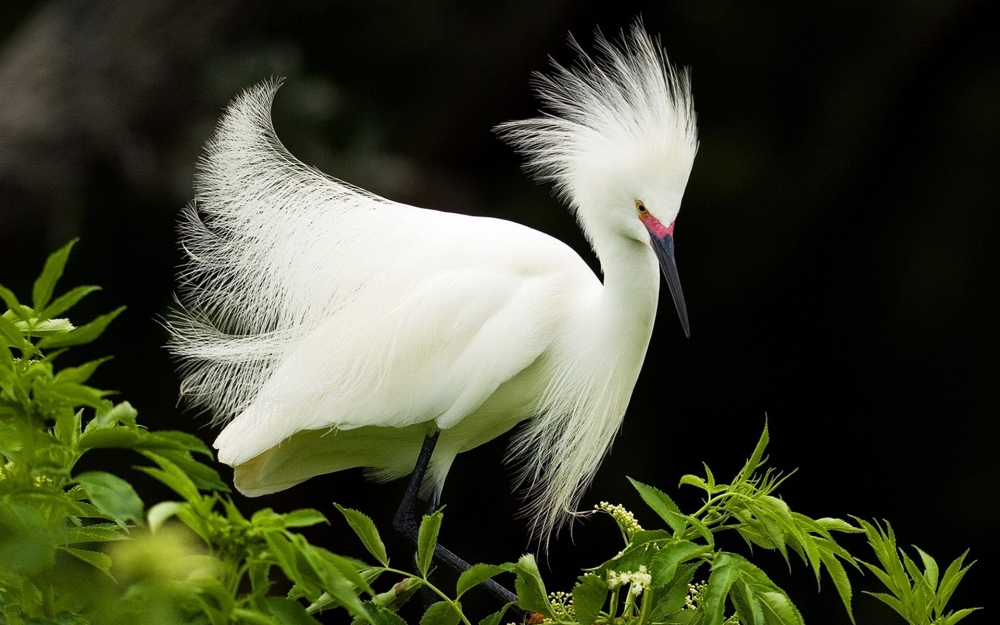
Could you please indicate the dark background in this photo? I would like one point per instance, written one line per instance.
(837, 242)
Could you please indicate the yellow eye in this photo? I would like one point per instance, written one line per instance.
(640, 208)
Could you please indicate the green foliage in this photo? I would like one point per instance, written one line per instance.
(918, 596)
(82, 547)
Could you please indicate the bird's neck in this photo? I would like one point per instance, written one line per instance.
(630, 293)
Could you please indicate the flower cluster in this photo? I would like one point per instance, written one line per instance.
(624, 518)
(639, 580)
(693, 598)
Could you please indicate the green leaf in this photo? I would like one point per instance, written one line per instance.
(364, 527)
(98, 560)
(172, 476)
(76, 395)
(949, 581)
(172, 439)
(289, 612)
(378, 615)
(661, 504)
(588, 598)
(725, 571)
(748, 607)
(762, 593)
(203, 476)
(97, 533)
(930, 569)
(496, 617)
(672, 596)
(13, 335)
(46, 283)
(477, 574)
(113, 496)
(162, 512)
(694, 480)
(531, 595)
(441, 613)
(959, 615)
(66, 301)
(427, 541)
(837, 573)
(82, 335)
(304, 517)
(758, 454)
(15, 307)
(664, 564)
(838, 525)
(79, 375)
(322, 560)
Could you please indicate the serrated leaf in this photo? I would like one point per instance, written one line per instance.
(289, 612)
(694, 480)
(588, 598)
(53, 270)
(96, 559)
(496, 617)
(82, 335)
(774, 603)
(531, 595)
(76, 395)
(430, 525)
(838, 525)
(725, 571)
(477, 574)
(950, 580)
(959, 615)
(365, 529)
(113, 496)
(672, 596)
(79, 375)
(748, 607)
(837, 573)
(66, 301)
(666, 560)
(441, 613)
(890, 601)
(661, 504)
(930, 569)
(97, 533)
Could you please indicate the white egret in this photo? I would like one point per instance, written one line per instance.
(329, 328)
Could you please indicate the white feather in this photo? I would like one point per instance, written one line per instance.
(329, 328)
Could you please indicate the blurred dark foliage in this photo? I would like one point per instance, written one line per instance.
(836, 242)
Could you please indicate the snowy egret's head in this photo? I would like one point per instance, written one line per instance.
(618, 142)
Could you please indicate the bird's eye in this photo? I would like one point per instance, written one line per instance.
(640, 208)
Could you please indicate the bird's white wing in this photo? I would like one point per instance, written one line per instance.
(309, 303)
(396, 356)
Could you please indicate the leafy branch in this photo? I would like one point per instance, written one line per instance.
(81, 547)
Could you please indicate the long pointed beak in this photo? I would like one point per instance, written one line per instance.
(662, 240)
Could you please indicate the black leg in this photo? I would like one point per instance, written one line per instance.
(406, 523)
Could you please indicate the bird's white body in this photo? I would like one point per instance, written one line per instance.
(331, 328)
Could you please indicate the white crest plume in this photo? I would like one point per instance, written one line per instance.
(329, 328)
(611, 116)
